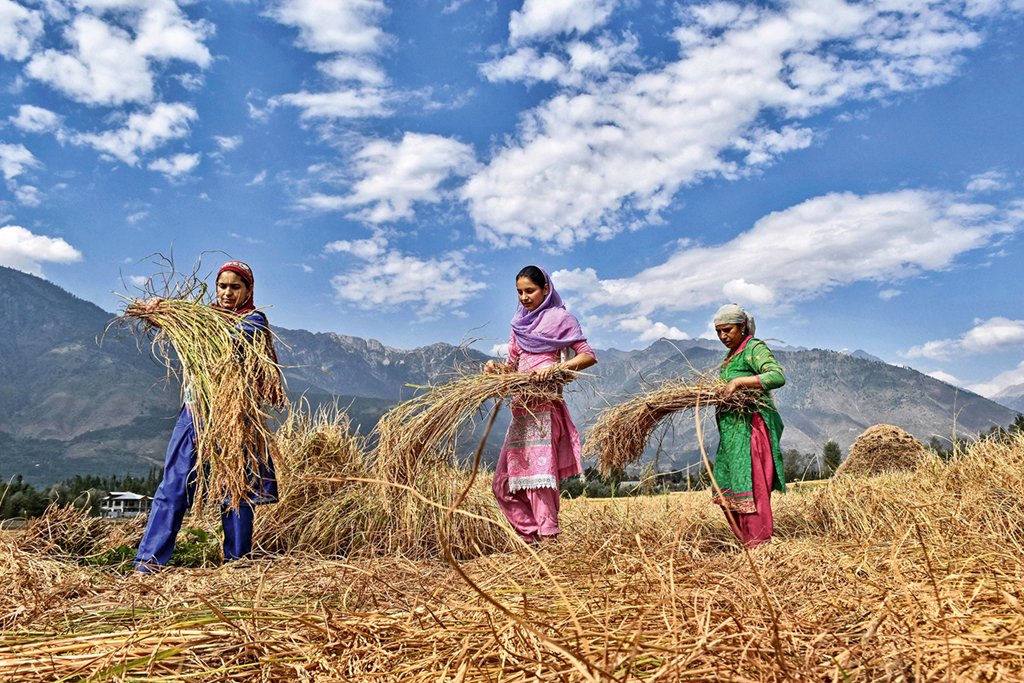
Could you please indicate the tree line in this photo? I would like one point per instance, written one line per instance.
(21, 499)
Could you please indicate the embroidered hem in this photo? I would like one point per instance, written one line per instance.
(737, 502)
(535, 481)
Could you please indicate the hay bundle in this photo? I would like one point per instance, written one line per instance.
(69, 531)
(883, 448)
(321, 510)
(229, 378)
(622, 432)
(413, 522)
(426, 428)
(336, 500)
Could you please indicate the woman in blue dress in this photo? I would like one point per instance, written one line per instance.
(177, 489)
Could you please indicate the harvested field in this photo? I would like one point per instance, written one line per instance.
(915, 575)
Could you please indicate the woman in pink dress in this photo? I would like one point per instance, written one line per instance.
(542, 446)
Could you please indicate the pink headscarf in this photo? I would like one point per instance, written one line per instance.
(549, 327)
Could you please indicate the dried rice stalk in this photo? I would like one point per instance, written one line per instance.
(883, 448)
(878, 579)
(427, 426)
(319, 509)
(622, 432)
(335, 501)
(228, 377)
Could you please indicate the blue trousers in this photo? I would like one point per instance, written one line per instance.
(174, 497)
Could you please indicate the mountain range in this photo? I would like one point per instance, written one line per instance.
(79, 398)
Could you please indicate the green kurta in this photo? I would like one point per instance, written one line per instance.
(732, 468)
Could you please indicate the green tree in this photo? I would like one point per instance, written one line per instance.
(831, 457)
(19, 499)
(1017, 426)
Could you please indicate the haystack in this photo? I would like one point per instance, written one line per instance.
(883, 448)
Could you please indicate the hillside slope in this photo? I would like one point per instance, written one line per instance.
(75, 401)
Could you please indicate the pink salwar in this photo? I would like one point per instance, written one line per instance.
(531, 512)
(754, 528)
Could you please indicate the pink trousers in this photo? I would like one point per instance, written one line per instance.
(531, 512)
(754, 528)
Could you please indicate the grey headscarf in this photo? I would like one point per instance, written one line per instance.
(732, 314)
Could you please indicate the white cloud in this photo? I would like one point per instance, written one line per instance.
(258, 179)
(1008, 384)
(389, 279)
(321, 202)
(539, 19)
(990, 181)
(610, 154)
(349, 27)
(175, 166)
(104, 69)
(938, 349)
(15, 160)
(359, 70)
(805, 251)
(994, 334)
(647, 330)
(366, 250)
(945, 377)
(227, 142)
(346, 103)
(25, 251)
(764, 145)
(111, 63)
(572, 66)
(987, 336)
(524, 64)
(33, 119)
(889, 293)
(26, 195)
(395, 175)
(350, 32)
(137, 216)
(499, 350)
(142, 132)
(20, 28)
(163, 32)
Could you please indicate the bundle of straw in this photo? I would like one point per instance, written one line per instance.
(69, 531)
(320, 468)
(228, 378)
(427, 426)
(336, 501)
(622, 432)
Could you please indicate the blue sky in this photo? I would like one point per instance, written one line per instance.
(849, 172)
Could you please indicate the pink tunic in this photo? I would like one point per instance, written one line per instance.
(535, 458)
(541, 448)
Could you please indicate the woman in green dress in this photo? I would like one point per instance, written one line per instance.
(748, 463)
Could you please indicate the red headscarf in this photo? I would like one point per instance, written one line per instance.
(243, 271)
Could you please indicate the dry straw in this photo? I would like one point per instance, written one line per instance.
(227, 378)
(319, 510)
(426, 428)
(910, 576)
(69, 531)
(883, 448)
(339, 498)
(623, 431)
